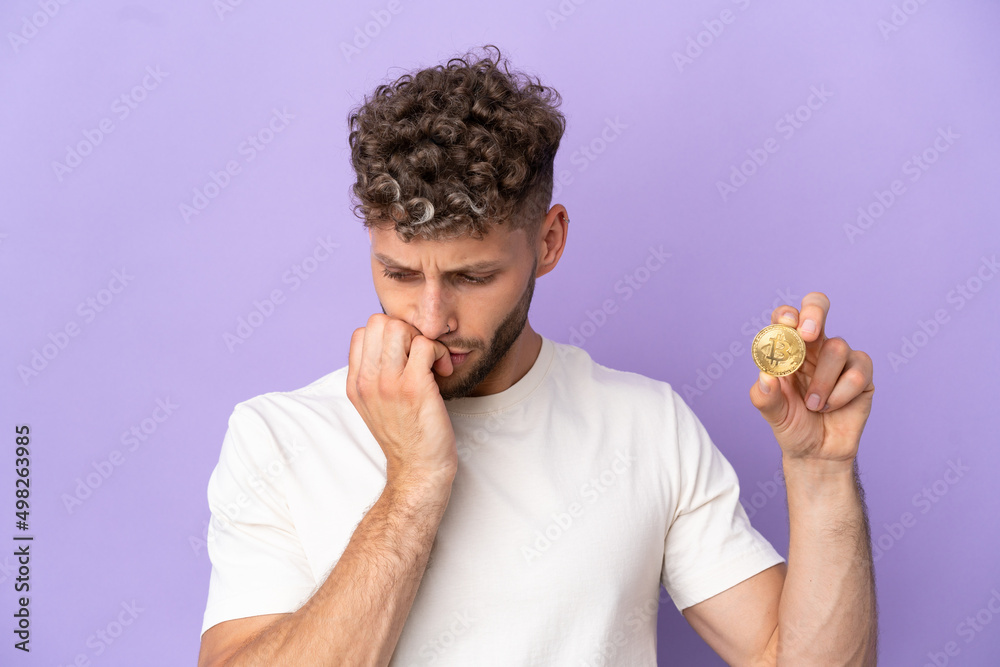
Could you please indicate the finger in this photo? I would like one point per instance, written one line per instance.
(832, 359)
(812, 316)
(396, 337)
(442, 359)
(856, 378)
(371, 356)
(767, 396)
(785, 315)
(424, 353)
(354, 361)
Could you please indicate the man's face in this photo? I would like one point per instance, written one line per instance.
(437, 285)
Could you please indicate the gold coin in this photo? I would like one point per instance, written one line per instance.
(778, 350)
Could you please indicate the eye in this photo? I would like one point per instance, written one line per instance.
(393, 275)
(477, 281)
(472, 280)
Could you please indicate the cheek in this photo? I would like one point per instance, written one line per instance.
(393, 301)
(489, 311)
(486, 306)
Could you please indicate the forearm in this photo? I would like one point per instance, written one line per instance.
(827, 614)
(357, 615)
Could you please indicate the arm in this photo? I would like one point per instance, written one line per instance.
(828, 606)
(825, 600)
(358, 613)
(820, 608)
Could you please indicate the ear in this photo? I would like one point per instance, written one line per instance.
(554, 230)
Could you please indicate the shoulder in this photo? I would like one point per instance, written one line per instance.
(292, 428)
(281, 414)
(612, 386)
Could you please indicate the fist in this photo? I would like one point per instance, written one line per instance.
(390, 382)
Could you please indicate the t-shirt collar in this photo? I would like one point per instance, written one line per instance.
(478, 405)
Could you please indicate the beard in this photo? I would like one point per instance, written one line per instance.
(465, 379)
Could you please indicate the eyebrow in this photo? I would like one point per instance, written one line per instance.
(475, 267)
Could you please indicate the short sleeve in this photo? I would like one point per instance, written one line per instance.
(258, 563)
(710, 545)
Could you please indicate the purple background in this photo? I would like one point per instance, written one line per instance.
(651, 182)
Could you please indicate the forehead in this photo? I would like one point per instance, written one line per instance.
(499, 246)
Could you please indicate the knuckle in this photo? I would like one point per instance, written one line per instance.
(364, 388)
(855, 377)
(838, 346)
(396, 326)
(394, 347)
(417, 347)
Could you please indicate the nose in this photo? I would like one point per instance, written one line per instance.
(433, 311)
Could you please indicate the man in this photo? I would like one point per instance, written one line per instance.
(468, 492)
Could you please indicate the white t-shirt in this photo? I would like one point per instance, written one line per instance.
(580, 490)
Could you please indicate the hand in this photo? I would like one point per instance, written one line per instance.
(842, 377)
(390, 381)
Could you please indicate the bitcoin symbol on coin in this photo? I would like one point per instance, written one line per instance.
(778, 350)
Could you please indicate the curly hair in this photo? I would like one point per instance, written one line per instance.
(454, 149)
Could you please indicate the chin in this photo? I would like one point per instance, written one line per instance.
(453, 386)
(447, 380)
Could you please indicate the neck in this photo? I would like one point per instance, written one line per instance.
(515, 365)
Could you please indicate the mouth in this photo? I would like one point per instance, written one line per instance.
(457, 358)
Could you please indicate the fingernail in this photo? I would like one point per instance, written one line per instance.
(809, 327)
(788, 318)
(813, 401)
(763, 387)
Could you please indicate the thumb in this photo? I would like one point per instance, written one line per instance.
(768, 397)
